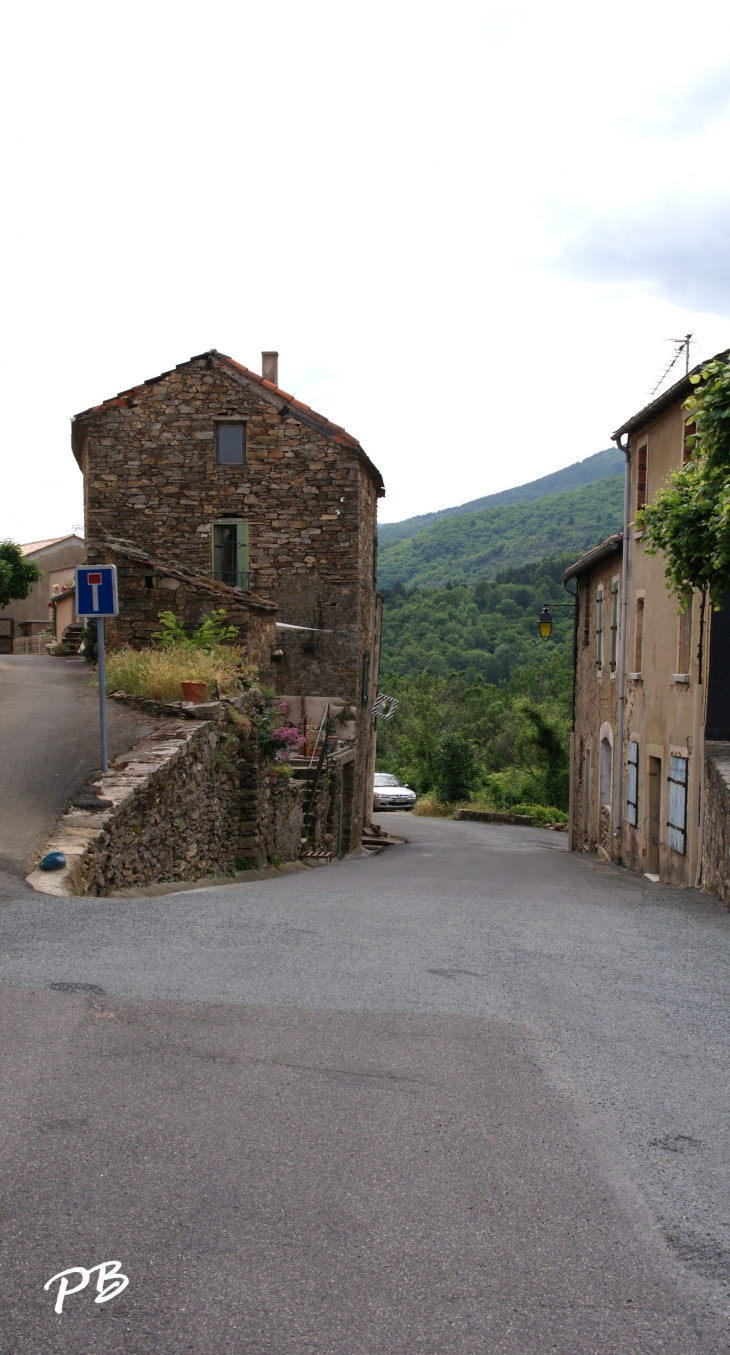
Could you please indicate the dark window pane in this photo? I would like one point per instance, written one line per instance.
(231, 444)
(230, 553)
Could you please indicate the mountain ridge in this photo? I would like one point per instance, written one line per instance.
(601, 466)
(478, 545)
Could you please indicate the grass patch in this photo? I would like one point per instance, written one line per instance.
(160, 673)
(429, 807)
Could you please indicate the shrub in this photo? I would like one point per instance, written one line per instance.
(455, 768)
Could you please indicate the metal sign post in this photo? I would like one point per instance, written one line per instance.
(97, 597)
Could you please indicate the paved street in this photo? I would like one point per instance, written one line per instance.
(49, 742)
(469, 1095)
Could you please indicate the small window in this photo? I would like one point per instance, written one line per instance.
(614, 624)
(632, 799)
(690, 440)
(599, 629)
(641, 478)
(230, 553)
(639, 635)
(677, 822)
(684, 640)
(230, 444)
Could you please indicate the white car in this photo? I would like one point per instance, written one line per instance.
(390, 793)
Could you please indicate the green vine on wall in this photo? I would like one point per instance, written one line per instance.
(689, 519)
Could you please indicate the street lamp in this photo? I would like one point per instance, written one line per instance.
(545, 623)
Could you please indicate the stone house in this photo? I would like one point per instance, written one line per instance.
(23, 620)
(217, 473)
(676, 687)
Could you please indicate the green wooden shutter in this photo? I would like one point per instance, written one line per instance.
(242, 554)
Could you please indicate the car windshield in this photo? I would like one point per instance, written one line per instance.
(385, 779)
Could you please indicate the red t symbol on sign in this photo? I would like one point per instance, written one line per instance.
(94, 581)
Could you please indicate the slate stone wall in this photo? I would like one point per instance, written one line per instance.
(151, 476)
(716, 834)
(145, 592)
(306, 491)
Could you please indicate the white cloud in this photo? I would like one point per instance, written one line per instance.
(381, 192)
(678, 249)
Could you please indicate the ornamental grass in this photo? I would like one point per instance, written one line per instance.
(160, 673)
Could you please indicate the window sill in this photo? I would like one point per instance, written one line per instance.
(637, 536)
(682, 678)
(636, 677)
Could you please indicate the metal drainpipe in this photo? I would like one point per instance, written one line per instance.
(618, 801)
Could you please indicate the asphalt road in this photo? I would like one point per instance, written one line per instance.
(469, 1095)
(49, 743)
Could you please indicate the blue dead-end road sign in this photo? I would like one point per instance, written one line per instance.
(96, 590)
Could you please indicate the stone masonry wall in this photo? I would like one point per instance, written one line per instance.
(172, 817)
(151, 476)
(192, 801)
(307, 493)
(716, 834)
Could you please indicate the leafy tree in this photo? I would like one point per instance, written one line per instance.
(477, 545)
(17, 575)
(456, 769)
(543, 747)
(689, 520)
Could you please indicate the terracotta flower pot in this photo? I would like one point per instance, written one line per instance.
(193, 691)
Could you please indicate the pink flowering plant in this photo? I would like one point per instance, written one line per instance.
(287, 737)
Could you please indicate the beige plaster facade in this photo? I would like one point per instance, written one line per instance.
(673, 664)
(58, 558)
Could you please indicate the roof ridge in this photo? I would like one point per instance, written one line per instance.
(330, 429)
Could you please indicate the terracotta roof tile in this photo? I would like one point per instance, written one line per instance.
(332, 430)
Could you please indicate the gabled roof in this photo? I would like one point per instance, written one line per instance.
(32, 547)
(679, 391)
(172, 569)
(287, 405)
(613, 545)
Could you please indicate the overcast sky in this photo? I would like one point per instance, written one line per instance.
(469, 228)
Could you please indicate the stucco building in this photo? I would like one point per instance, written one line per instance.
(676, 685)
(23, 620)
(212, 471)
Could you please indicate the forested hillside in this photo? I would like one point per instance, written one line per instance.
(488, 629)
(479, 545)
(598, 467)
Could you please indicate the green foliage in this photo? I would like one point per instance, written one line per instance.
(512, 739)
(488, 629)
(89, 644)
(543, 747)
(478, 545)
(689, 520)
(211, 632)
(597, 467)
(456, 769)
(17, 575)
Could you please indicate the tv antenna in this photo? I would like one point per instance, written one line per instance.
(680, 346)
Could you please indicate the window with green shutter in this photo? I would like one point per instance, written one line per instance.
(230, 552)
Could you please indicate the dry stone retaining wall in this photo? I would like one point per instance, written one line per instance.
(190, 801)
(716, 834)
(173, 817)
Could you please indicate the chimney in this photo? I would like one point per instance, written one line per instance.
(270, 367)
